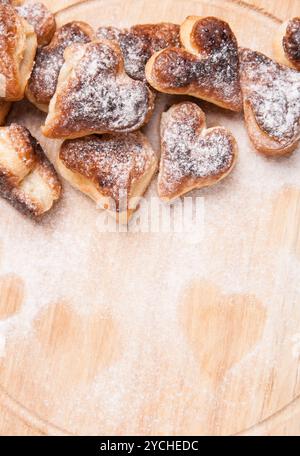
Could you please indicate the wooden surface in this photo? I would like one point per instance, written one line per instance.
(127, 351)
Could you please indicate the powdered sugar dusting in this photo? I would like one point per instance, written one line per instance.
(98, 98)
(40, 18)
(139, 42)
(156, 384)
(274, 94)
(213, 74)
(111, 162)
(186, 153)
(49, 60)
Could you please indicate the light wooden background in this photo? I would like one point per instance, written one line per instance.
(282, 399)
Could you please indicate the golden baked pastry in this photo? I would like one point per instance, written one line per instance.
(271, 103)
(17, 52)
(27, 178)
(41, 19)
(286, 43)
(4, 110)
(49, 60)
(95, 95)
(140, 42)
(192, 156)
(206, 67)
(113, 170)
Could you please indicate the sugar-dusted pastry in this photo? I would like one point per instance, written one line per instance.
(113, 170)
(41, 19)
(286, 43)
(206, 67)
(192, 156)
(49, 60)
(17, 52)
(271, 103)
(4, 110)
(27, 178)
(139, 42)
(12, 2)
(95, 95)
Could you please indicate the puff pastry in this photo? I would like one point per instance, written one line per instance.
(271, 103)
(206, 67)
(192, 156)
(27, 178)
(113, 170)
(95, 95)
(49, 61)
(41, 19)
(287, 43)
(140, 42)
(17, 52)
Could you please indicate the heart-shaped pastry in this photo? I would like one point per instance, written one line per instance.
(191, 155)
(271, 103)
(140, 42)
(206, 67)
(49, 60)
(17, 52)
(95, 95)
(113, 170)
(286, 43)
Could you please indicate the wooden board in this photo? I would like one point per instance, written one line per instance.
(140, 333)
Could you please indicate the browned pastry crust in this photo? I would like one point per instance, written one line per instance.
(4, 110)
(49, 60)
(286, 43)
(12, 2)
(192, 156)
(95, 95)
(27, 178)
(140, 42)
(109, 168)
(41, 19)
(17, 52)
(271, 103)
(206, 67)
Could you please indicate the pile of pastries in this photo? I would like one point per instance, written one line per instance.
(99, 89)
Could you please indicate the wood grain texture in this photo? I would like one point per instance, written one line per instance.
(236, 370)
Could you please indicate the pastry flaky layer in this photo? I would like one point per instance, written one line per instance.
(27, 178)
(50, 59)
(271, 95)
(192, 156)
(113, 170)
(139, 42)
(95, 95)
(206, 66)
(17, 53)
(41, 19)
(286, 43)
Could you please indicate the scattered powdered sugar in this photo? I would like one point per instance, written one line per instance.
(274, 93)
(41, 19)
(215, 73)
(138, 279)
(139, 42)
(97, 98)
(157, 382)
(49, 60)
(112, 162)
(189, 153)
